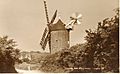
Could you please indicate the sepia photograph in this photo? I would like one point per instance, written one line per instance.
(59, 36)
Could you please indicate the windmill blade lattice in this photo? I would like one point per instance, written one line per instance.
(46, 12)
(44, 37)
(45, 42)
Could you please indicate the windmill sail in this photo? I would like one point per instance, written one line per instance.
(44, 36)
(46, 12)
(45, 41)
(54, 16)
(78, 22)
(79, 16)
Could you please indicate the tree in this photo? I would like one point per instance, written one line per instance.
(8, 55)
(103, 45)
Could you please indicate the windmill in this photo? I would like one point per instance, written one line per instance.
(46, 35)
(57, 34)
(74, 19)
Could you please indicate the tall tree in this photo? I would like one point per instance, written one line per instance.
(103, 45)
(8, 55)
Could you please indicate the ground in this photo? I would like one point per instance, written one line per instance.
(28, 71)
(27, 68)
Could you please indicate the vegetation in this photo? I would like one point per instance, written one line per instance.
(32, 59)
(67, 58)
(99, 54)
(102, 45)
(8, 55)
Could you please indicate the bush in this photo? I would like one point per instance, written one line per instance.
(60, 61)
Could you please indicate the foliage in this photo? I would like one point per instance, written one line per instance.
(102, 45)
(67, 58)
(8, 54)
(33, 57)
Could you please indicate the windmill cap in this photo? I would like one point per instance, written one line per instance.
(58, 26)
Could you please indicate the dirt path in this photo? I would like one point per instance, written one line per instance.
(28, 71)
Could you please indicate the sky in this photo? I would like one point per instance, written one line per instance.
(24, 20)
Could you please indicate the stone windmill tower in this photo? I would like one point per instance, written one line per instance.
(56, 34)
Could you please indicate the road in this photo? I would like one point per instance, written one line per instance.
(28, 71)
